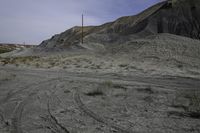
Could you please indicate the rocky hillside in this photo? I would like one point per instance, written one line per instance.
(182, 18)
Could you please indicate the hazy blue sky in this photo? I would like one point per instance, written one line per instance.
(33, 21)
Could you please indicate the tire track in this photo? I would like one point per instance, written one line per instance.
(55, 121)
(3, 122)
(16, 120)
(11, 93)
(34, 87)
(17, 115)
(97, 117)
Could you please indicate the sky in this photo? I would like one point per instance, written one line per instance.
(32, 21)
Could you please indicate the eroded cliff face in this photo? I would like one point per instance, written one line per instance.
(181, 18)
(186, 2)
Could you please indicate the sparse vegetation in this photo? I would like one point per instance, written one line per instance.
(96, 92)
(108, 83)
(101, 89)
(18, 60)
(4, 48)
(123, 65)
(126, 77)
(118, 86)
(180, 66)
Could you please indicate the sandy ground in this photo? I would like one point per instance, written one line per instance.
(36, 100)
(141, 86)
(99, 63)
(117, 81)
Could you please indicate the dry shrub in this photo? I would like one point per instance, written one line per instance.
(96, 92)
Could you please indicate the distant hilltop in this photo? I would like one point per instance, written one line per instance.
(5, 47)
(178, 17)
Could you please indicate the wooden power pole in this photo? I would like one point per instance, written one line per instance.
(82, 31)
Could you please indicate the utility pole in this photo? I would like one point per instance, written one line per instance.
(82, 31)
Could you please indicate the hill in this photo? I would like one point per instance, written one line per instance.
(182, 19)
(163, 39)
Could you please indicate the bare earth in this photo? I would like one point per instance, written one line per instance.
(125, 78)
(57, 101)
(142, 86)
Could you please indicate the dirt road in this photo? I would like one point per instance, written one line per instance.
(39, 100)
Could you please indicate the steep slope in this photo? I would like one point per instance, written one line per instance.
(181, 18)
(105, 33)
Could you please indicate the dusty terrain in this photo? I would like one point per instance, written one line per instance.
(40, 100)
(161, 54)
(129, 76)
(96, 92)
(144, 85)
